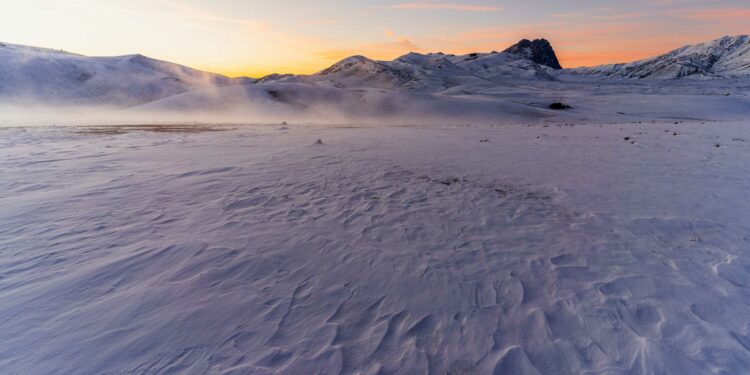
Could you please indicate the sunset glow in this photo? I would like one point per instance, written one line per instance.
(255, 38)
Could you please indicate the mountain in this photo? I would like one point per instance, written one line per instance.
(502, 66)
(431, 72)
(526, 75)
(359, 71)
(727, 57)
(40, 74)
(58, 77)
(539, 51)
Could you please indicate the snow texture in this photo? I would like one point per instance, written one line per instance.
(424, 249)
(426, 215)
(43, 87)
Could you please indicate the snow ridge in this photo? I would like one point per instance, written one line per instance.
(40, 74)
(430, 72)
(727, 57)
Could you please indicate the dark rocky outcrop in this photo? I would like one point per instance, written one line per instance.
(539, 51)
(559, 106)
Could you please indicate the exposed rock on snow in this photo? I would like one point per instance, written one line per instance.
(539, 51)
(559, 106)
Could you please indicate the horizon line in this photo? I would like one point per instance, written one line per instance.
(236, 74)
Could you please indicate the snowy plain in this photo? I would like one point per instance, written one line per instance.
(506, 249)
(426, 215)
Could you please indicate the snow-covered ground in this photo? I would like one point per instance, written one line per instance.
(610, 237)
(514, 249)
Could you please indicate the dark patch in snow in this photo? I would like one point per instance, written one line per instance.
(559, 106)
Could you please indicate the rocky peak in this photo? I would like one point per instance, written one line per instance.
(539, 51)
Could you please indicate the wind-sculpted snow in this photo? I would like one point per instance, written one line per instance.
(504, 249)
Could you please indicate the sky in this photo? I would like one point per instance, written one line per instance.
(254, 38)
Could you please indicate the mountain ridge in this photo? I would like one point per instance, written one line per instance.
(726, 57)
(35, 73)
(53, 77)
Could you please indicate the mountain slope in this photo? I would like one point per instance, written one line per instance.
(727, 57)
(50, 77)
(359, 71)
(432, 72)
(39, 74)
(497, 67)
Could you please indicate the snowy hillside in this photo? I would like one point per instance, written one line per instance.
(723, 58)
(431, 72)
(499, 67)
(433, 87)
(51, 76)
(45, 75)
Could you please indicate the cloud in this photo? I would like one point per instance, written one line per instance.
(401, 41)
(715, 14)
(605, 17)
(446, 6)
(387, 50)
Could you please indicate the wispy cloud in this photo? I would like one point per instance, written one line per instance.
(715, 14)
(446, 6)
(400, 40)
(384, 50)
(605, 17)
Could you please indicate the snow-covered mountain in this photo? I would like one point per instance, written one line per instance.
(53, 76)
(523, 80)
(46, 75)
(431, 72)
(728, 57)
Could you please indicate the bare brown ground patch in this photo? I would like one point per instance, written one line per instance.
(160, 128)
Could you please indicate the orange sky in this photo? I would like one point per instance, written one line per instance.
(254, 37)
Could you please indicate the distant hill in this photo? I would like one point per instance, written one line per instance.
(40, 74)
(722, 58)
(45, 76)
(429, 72)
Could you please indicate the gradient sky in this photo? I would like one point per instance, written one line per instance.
(254, 37)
